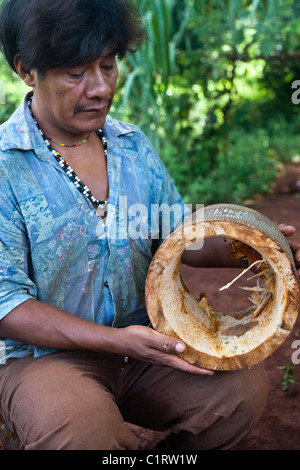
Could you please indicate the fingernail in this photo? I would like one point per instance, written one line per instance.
(180, 348)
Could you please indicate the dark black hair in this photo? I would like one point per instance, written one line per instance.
(68, 33)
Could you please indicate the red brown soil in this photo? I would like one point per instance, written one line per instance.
(279, 426)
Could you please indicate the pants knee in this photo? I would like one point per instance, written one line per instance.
(252, 391)
(233, 407)
(84, 427)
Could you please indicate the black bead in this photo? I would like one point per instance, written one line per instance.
(72, 175)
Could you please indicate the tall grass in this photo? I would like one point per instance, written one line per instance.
(146, 77)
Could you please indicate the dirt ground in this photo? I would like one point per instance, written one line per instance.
(279, 426)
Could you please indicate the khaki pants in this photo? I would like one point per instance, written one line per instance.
(80, 400)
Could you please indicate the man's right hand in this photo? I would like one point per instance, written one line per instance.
(147, 345)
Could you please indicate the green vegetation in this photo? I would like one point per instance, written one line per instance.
(212, 90)
(289, 377)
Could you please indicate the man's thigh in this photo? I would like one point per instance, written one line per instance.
(165, 399)
(64, 401)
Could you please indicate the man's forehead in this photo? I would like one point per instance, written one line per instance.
(108, 51)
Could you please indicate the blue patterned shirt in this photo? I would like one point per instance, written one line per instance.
(55, 248)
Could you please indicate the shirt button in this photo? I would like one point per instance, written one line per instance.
(106, 284)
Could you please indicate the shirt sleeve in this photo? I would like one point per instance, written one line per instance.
(175, 209)
(168, 210)
(15, 284)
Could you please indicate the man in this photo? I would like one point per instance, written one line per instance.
(79, 356)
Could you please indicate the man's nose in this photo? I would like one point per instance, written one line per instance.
(98, 86)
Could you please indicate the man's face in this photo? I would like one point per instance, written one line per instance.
(74, 101)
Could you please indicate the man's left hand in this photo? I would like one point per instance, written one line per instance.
(288, 231)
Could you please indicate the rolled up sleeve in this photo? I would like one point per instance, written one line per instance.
(16, 284)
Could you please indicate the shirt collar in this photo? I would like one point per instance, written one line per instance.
(21, 133)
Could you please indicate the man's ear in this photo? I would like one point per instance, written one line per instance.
(28, 76)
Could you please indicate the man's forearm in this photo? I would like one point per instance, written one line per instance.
(43, 325)
(216, 253)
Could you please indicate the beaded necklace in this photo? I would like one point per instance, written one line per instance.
(102, 205)
(69, 146)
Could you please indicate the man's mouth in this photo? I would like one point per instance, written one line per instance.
(95, 109)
